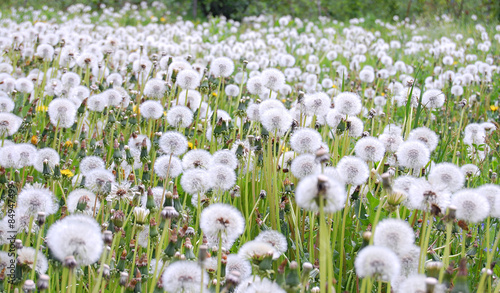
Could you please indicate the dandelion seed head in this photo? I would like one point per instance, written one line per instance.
(472, 206)
(304, 165)
(413, 154)
(378, 262)
(76, 235)
(394, 234)
(447, 176)
(370, 149)
(347, 103)
(353, 170)
(222, 221)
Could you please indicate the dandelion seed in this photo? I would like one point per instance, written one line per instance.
(347, 103)
(82, 200)
(9, 124)
(413, 154)
(305, 140)
(447, 176)
(222, 67)
(168, 167)
(471, 206)
(353, 170)
(180, 116)
(304, 165)
(184, 276)
(26, 256)
(377, 262)
(314, 188)
(194, 181)
(174, 143)
(222, 221)
(78, 236)
(394, 234)
(48, 154)
(370, 149)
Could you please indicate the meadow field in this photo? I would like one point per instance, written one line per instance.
(144, 152)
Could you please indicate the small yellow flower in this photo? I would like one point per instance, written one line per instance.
(383, 94)
(136, 110)
(455, 63)
(191, 145)
(494, 108)
(67, 173)
(68, 144)
(162, 19)
(334, 86)
(42, 108)
(34, 140)
(283, 100)
(214, 94)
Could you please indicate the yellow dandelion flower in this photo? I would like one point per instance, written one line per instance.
(191, 145)
(34, 140)
(383, 94)
(493, 108)
(334, 86)
(162, 19)
(214, 94)
(455, 63)
(68, 144)
(42, 108)
(136, 110)
(67, 173)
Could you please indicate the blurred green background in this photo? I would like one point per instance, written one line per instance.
(486, 10)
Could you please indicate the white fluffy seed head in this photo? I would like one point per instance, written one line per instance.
(397, 235)
(90, 163)
(305, 140)
(347, 103)
(447, 176)
(425, 136)
(35, 199)
(194, 181)
(172, 142)
(433, 98)
(78, 236)
(276, 239)
(492, 194)
(273, 78)
(317, 104)
(316, 187)
(188, 79)
(391, 142)
(413, 154)
(155, 88)
(353, 170)
(151, 109)
(196, 159)
(48, 154)
(180, 116)
(184, 276)
(276, 121)
(222, 67)
(83, 195)
(9, 123)
(370, 149)
(222, 221)
(471, 206)
(225, 157)
(378, 262)
(221, 177)
(168, 167)
(304, 165)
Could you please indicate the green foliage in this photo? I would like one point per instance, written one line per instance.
(341, 10)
